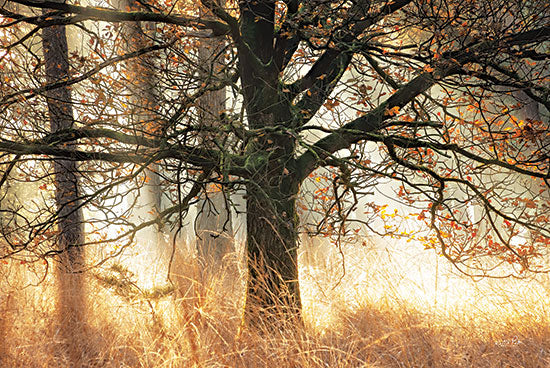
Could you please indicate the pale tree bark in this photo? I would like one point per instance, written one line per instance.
(215, 243)
(71, 296)
(530, 113)
(218, 258)
(152, 247)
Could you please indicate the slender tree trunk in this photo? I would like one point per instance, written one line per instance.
(213, 223)
(71, 302)
(214, 233)
(144, 118)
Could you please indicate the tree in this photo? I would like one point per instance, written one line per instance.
(60, 111)
(70, 236)
(417, 92)
(142, 114)
(214, 224)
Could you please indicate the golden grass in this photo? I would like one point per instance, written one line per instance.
(201, 328)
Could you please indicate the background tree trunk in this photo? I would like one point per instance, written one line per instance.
(214, 227)
(152, 248)
(71, 302)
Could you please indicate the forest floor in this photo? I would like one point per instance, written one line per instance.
(126, 326)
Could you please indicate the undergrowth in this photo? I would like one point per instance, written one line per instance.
(193, 323)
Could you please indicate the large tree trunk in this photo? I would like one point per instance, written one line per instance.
(272, 249)
(70, 305)
(272, 240)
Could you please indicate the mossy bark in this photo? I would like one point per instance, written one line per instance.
(272, 234)
(272, 249)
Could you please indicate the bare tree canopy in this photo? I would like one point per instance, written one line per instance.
(449, 99)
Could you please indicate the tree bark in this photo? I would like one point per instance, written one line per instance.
(272, 240)
(272, 247)
(272, 233)
(61, 117)
(153, 247)
(213, 223)
(71, 298)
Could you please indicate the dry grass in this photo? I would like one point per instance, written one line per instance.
(128, 327)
